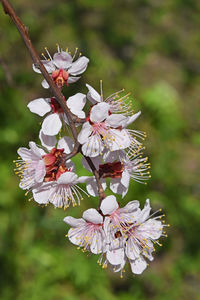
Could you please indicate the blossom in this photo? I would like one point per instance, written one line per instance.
(62, 67)
(52, 123)
(105, 130)
(61, 190)
(116, 103)
(135, 236)
(87, 232)
(120, 168)
(30, 166)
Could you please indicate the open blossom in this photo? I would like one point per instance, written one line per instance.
(116, 103)
(87, 232)
(63, 67)
(135, 237)
(105, 130)
(34, 163)
(120, 168)
(30, 166)
(52, 123)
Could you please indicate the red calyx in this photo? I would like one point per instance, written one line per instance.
(60, 77)
(113, 170)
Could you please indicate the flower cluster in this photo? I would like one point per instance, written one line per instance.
(112, 153)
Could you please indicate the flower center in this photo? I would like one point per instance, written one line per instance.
(113, 170)
(54, 164)
(60, 77)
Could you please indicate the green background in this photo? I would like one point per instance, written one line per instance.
(150, 48)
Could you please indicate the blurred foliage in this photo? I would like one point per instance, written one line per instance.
(151, 48)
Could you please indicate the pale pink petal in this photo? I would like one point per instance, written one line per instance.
(99, 112)
(73, 222)
(138, 265)
(118, 188)
(62, 60)
(125, 179)
(132, 250)
(40, 171)
(145, 212)
(116, 120)
(84, 133)
(24, 153)
(120, 139)
(79, 66)
(41, 194)
(130, 207)
(109, 205)
(132, 118)
(92, 95)
(93, 146)
(67, 178)
(48, 66)
(51, 124)
(36, 150)
(151, 229)
(115, 257)
(39, 106)
(91, 215)
(75, 236)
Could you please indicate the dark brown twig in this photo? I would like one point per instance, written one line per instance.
(55, 90)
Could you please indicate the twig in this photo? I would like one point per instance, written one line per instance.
(55, 90)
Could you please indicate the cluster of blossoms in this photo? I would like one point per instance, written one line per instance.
(108, 146)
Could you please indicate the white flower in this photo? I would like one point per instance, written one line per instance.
(61, 190)
(116, 103)
(134, 235)
(105, 130)
(31, 167)
(52, 123)
(87, 232)
(121, 168)
(62, 67)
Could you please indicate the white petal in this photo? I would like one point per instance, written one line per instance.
(125, 179)
(48, 141)
(84, 133)
(51, 124)
(73, 222)
(130, 207)
(109, 205)
(120, 139)
(62, 60)
(75, 236)
(24, 153)
(116, 120)
(145, 212)
(116, 187)
(40, 106)
(151, 229)
(72, 79)
(76, 102)
(35, 150)
(132, 250)
(79, 66)
(92, 188)
(115, 257)
(67, 143)
(40, 171)
(97, 243)
(99, 112)
(67, 178)
(92, 95)
(118, 155)
(41, 194)
(93, 146)
(45, 84)
(132, 118)
(92, 215)
(48, 66)
(83, 179)
(138, 265)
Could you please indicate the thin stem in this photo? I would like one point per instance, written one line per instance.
(55, 90)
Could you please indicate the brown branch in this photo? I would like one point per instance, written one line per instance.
(55, 90)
